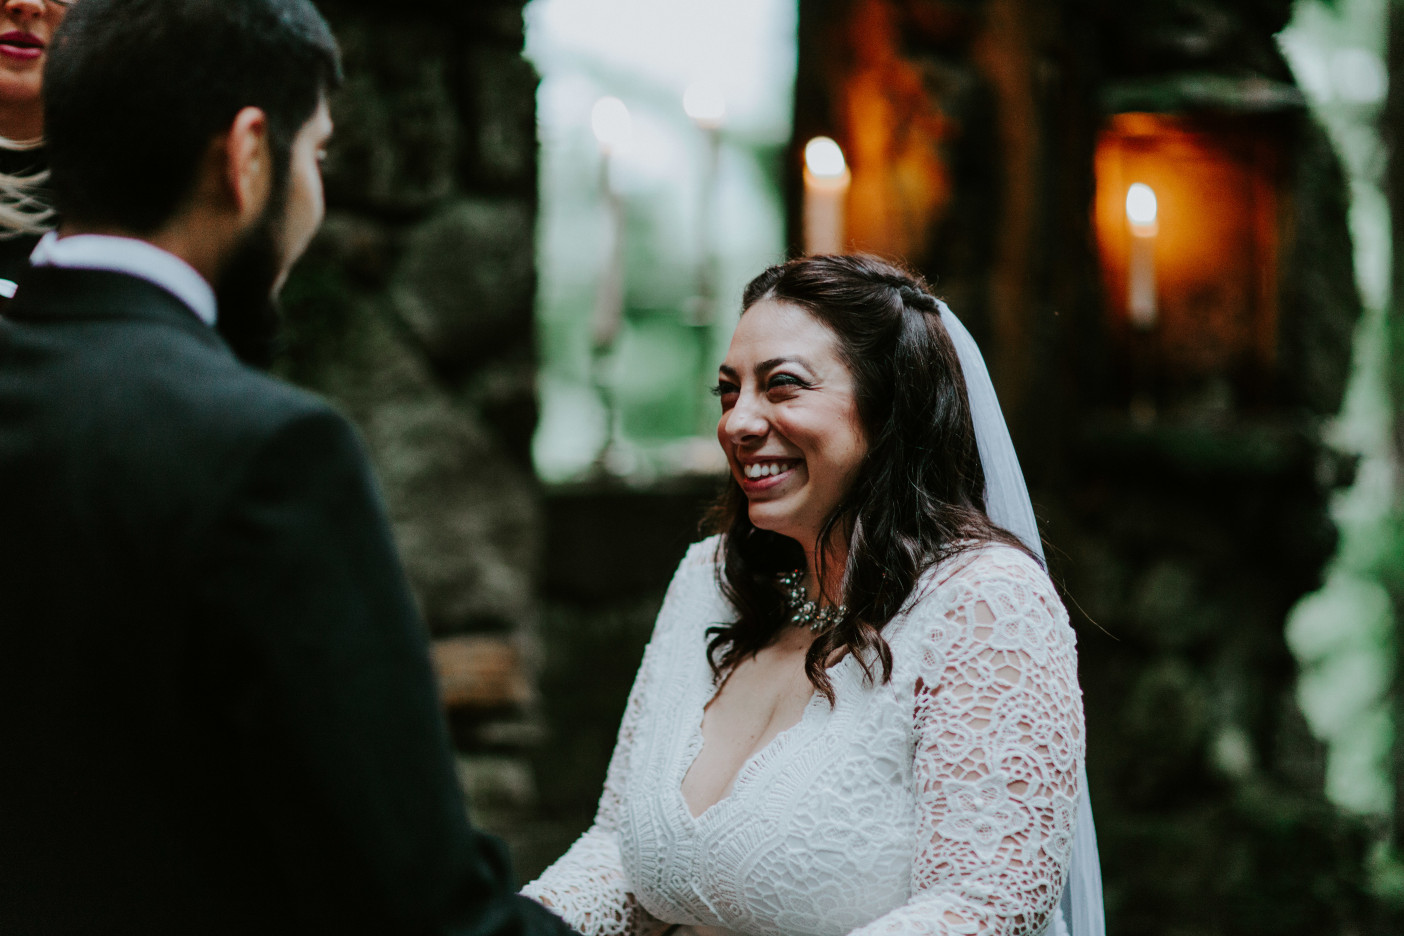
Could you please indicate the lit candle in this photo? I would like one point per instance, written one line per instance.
(613, 129)
(1141, 212)
(704, 103)
(826, 180)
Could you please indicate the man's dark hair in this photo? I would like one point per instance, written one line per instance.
(135, 90)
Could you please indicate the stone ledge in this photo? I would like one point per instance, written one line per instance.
(1238, 447)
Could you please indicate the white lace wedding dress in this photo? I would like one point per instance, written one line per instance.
(940, 802)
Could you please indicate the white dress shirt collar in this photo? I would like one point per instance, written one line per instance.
(133, 257)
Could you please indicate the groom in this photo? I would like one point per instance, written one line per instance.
(216, 710)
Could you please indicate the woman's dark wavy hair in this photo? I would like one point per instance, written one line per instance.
(919, 495)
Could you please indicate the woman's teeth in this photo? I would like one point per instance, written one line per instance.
(766, 469)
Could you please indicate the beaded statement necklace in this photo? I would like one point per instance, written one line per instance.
(804, 611)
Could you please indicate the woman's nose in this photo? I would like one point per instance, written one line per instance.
(744, 421)
(24, 9)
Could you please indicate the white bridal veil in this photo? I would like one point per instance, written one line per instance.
(1007, 503)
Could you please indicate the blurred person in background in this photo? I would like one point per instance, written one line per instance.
(859, 710)
(27, 28)
(24, 217)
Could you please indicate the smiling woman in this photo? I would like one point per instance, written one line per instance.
(884, 734)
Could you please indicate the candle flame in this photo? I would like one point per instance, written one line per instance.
(1141, 207)
(704, 103)
(824, 158)
(613, 126)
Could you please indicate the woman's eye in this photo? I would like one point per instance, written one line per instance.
(725, 389)
(784, 382)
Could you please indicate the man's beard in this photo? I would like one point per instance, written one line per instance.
(249, 317)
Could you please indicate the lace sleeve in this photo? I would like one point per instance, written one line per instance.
(999, 742)
(587, 886)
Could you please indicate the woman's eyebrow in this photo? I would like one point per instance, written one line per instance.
(726, 370)
(775, 362)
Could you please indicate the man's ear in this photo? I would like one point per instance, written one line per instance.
(248, 163)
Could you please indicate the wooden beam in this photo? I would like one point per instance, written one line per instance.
(480, 672)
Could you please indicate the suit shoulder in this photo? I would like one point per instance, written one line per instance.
(204, 385)
(177, 398)
(262, 401)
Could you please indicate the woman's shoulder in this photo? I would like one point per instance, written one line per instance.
(703, 555)
(988, 561)
(693, 595)
(992, 586)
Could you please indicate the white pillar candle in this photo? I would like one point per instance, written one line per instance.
(613, 129)
(826, 181)
(1141, 213)
(704, 102)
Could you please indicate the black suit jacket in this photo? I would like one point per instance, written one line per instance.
(217, 713)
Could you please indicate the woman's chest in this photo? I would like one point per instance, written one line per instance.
(761, 697)
(815, 835)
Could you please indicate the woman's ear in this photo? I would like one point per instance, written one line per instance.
(248, 166)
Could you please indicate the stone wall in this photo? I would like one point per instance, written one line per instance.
(413, 312)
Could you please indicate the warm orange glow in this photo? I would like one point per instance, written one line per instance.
(1214, 237)
(897, 132)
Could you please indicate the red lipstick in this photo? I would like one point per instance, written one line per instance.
(16, 44)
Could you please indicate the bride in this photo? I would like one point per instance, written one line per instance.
(859, 712)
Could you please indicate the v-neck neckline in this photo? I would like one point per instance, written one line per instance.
(753, 764)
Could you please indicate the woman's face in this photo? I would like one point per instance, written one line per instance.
(26, 29)
(789, 422)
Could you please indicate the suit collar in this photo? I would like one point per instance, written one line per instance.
(129, 255)
(59, 293)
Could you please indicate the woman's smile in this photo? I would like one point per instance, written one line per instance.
(762, 478)
(769, 469)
